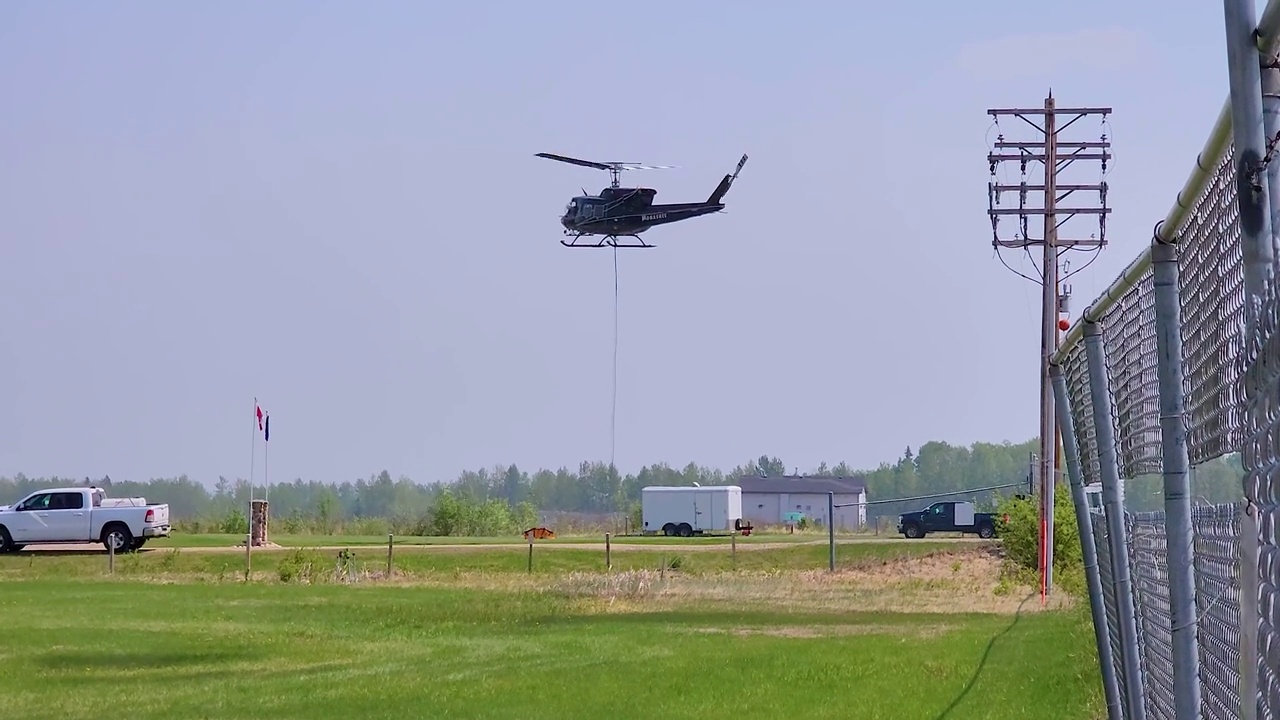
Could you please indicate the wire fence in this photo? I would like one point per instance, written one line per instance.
(1177, 364)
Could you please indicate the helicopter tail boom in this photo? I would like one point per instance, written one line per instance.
(723, 188)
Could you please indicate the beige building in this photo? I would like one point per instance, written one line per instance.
(767, 500)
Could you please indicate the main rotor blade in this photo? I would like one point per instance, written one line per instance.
(639, 166)
(603, 165)
(574, 161)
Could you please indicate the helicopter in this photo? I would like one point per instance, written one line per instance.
(619, 212)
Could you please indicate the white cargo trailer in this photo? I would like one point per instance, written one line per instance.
(685, 511)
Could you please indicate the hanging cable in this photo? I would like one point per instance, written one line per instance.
(613, 410)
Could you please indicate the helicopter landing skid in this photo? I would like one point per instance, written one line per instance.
(606, 241)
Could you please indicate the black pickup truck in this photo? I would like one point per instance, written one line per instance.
(947, 517)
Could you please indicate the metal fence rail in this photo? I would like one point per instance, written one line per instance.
(1204, 596)
(1112, 609)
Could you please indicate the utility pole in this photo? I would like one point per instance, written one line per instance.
(1055, 155)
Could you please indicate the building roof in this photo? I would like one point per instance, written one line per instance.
(802, 484)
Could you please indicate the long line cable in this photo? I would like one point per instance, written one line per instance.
(613, 410)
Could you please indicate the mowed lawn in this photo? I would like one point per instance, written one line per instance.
(148, 643)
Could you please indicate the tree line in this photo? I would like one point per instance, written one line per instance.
(479, 498)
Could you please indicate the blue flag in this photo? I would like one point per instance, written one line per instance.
(266, 428)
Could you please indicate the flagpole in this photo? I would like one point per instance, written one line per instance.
(253, 449)
(266, 450)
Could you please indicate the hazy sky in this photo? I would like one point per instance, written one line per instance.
(336, 207)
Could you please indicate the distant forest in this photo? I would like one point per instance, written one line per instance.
(592, 489)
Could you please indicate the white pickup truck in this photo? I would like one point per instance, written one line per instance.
(81, 515)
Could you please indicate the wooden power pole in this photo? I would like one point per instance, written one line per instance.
(1055, 155)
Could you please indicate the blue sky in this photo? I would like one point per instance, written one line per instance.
(335, 207)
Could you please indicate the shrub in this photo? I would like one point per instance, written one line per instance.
(1021, 539)
(234, 523)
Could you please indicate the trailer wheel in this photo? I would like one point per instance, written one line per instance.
(686, 530)
(669, 529)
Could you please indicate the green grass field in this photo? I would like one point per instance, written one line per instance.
(909, 630)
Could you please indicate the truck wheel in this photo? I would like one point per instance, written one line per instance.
(686, 530)
(669, 529)
(118, 537)
(986, 532)
(912, 531)
(6, 541)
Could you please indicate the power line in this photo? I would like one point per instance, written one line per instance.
(934, 495)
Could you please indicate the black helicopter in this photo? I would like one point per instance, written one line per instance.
(619, 212)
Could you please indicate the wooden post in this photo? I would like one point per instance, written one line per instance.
(390, 544)
(530, 556)
(733, 549)
(608, 561)
(662, 571)
(111, 558)
(248, 551)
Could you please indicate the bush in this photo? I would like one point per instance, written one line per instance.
(234, 523)
(464, 516)
(1021, 539)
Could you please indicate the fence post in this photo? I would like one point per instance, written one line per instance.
(248, 554)
(1088, 551)
(1249, 613)
(1253, 122)
(530, 556)
(1179, 534)
(1117, 539)
(733, 549)
(608, 561)
(111, 558)
(831, 531)
(390, 544)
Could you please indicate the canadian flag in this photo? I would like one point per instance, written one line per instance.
(258, 410)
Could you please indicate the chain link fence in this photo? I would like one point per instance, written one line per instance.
(1231, 392)
(1217, 379)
